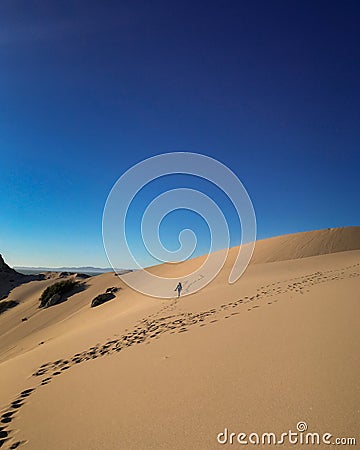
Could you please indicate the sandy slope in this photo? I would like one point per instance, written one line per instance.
(279, 346)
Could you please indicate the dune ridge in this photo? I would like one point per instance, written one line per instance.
(306, 244)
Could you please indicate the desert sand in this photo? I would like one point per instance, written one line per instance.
(279, 346)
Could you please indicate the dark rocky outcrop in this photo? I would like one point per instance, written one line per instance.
(10, 278)
(4, 268)
(102, 298)
(65, 274)
(82, 275)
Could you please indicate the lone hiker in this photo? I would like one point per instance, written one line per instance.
(179, 289)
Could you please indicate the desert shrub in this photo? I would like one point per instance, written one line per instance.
(7, 304)
(60, 288)
(112, 290)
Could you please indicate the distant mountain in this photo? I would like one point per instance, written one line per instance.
(84, 269)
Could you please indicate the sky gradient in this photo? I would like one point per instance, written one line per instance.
(88, 89)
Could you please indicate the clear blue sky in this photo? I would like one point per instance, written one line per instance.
(89, 88)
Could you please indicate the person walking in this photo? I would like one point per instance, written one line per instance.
(178, 289)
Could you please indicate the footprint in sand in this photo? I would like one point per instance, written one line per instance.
(26, 393)
(16, 404)
(7, 417)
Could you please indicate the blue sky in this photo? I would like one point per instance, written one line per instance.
(88, 89)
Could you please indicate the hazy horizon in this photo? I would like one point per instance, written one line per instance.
(109, 268)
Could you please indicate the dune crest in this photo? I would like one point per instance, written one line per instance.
(276, 347)
(307, 243)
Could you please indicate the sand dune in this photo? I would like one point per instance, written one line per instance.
(277, 347)
(280, 248)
